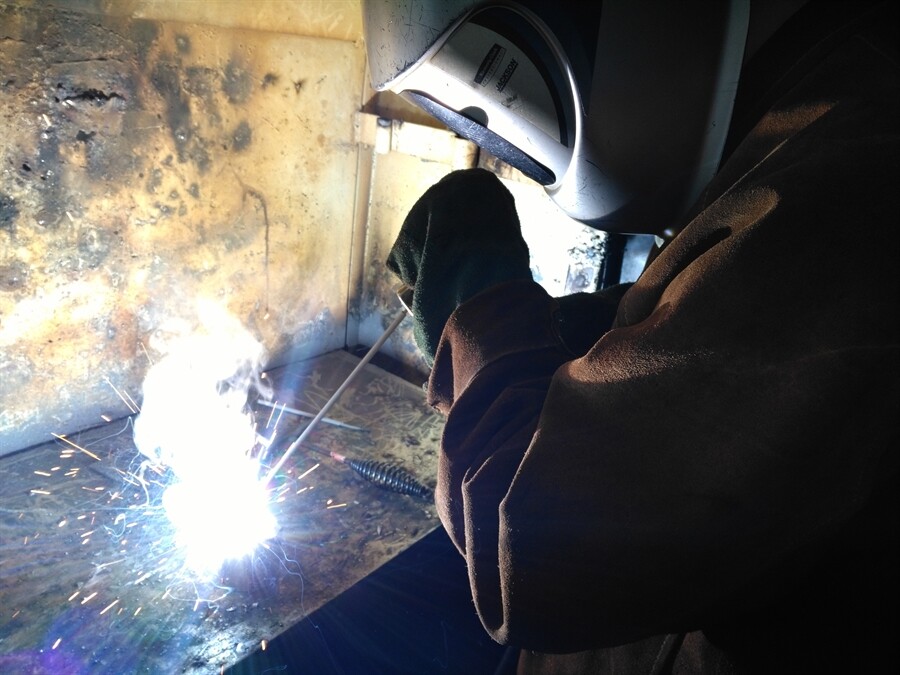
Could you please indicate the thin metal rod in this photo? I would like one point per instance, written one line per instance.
(336, 395)
(303, 413)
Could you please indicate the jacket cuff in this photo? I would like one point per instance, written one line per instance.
(509, 318)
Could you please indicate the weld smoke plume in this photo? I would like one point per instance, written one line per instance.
(193, 420)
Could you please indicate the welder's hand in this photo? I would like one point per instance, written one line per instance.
(459, 239)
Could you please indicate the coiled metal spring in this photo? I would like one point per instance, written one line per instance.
(389, 477)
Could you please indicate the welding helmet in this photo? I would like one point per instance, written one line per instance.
(618, 108)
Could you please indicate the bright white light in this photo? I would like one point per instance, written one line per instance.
(192, 420)
(222, 518)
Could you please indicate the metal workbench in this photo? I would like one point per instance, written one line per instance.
(92, 581)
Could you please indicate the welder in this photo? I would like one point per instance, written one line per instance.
(696, 472)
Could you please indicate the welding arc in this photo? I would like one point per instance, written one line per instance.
(336, 395)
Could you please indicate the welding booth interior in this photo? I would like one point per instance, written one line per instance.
(172, 169)
(160, 153)
(236, 173)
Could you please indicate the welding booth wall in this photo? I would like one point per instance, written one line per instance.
(147, 163)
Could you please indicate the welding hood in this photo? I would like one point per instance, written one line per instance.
(618, 108)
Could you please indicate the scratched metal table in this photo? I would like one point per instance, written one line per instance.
(91, 580)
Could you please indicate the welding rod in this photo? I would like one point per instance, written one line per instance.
(337, 394)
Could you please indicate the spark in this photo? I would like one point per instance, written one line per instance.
(272, 414)
(43, 473)
(308, 471)
(104, 565)
(88, 598)
(40, 492)
(109, 606)
(75, 445)
(336, 506)
(129, 402)
(146, 353)
(56, 644)
(73, 596)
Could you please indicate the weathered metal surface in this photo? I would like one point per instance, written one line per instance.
(90, 578)
(145, 164)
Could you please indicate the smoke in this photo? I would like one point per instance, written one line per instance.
(194, 421)
(195, 397)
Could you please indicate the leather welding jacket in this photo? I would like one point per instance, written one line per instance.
(712, 485)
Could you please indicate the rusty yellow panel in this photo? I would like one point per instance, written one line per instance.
(398, 180)
(337, 19)
(146, 165)
(334, 19)
(400, 160)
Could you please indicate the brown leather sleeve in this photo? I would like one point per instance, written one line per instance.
(739, 414)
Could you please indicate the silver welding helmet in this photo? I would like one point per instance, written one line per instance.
(618, 108)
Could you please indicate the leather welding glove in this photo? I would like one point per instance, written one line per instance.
(460, 238)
